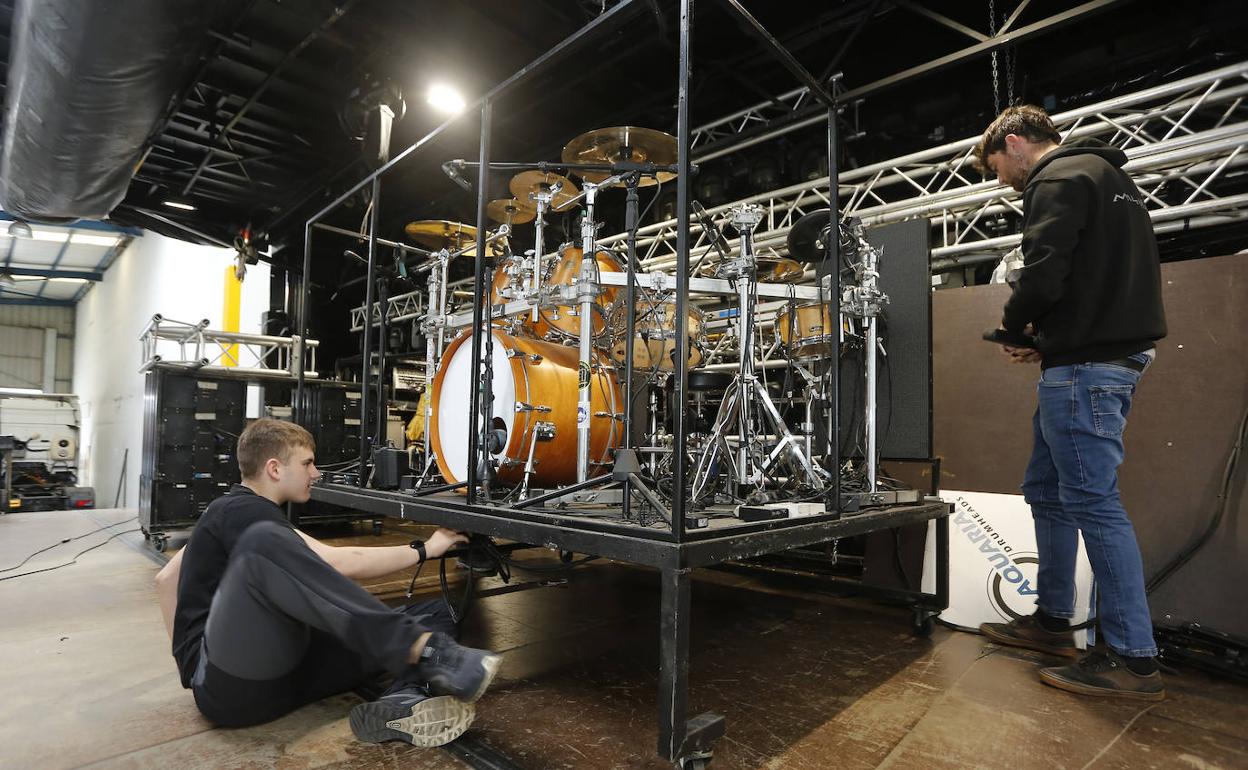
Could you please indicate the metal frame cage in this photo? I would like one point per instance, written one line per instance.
(677, 549)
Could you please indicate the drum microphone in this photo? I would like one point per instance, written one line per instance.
(455, 170)
(712, 232)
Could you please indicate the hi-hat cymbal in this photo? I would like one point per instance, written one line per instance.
(622, 143)
(440, 234)
(771, 269)
(534, 181)
(511, 210)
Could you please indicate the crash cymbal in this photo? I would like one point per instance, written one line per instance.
(622, 143)
(440, 234)
(533, 181)
(770, 269)
(511, 210)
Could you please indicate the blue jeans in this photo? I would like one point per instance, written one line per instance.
(1071, 485)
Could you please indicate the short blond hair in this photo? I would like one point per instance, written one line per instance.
(1026, 120)
(265, 439)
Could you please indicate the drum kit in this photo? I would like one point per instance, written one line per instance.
(556, 404)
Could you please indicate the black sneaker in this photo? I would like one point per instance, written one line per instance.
(1103, 672)
(412, 716)
(449, 668)
(1026, 632)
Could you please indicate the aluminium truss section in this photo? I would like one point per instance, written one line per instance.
(400, 307)
(1184, 141)
(193, 346)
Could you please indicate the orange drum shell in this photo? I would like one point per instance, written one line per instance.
(649, 352)
(565, 273)
(811, 332)
(550, 381)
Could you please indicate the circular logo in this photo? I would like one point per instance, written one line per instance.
(1012, 591)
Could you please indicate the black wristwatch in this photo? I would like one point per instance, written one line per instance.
(419, 546)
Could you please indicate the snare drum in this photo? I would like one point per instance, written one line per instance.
(654, 345)
(535, 405)
(806, 331)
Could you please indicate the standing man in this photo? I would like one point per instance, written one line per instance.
(265, 619)
(1090, 294)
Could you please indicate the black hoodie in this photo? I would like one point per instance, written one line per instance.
(1091, 281)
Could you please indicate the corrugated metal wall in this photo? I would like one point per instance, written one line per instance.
(21, 345)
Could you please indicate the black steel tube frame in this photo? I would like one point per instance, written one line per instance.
(366, 353)
(674, 552)
(383, 330)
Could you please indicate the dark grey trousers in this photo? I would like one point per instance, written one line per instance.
(286, 629)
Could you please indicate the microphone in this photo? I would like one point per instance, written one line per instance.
(708, 225)
(455, 170)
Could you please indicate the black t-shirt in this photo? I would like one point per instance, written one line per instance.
(204, 562)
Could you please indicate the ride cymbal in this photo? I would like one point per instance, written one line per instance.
(622, 144)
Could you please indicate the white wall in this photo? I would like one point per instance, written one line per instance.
(153, 275)
(22, 329)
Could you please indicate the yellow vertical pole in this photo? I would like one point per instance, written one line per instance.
(230, 312)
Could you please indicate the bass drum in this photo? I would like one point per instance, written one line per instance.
(535, 406)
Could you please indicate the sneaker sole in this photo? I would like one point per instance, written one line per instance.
(1080, 688)
(491, 664)
(1027, 644)
(432, 722)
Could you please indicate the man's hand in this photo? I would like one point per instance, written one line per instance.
(441, 541)
(1023, 355)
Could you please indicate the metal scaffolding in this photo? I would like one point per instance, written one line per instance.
(1182, 139)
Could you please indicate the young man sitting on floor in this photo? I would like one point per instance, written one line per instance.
(265, 619)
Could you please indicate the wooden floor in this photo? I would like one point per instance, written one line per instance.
(805, 679)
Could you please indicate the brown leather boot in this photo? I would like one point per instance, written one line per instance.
(1026, 632)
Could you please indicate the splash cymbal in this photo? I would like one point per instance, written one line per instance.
(534, 181)
(622, 143)
(511, 210)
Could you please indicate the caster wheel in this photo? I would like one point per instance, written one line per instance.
(160, 544)
(566, 557)
(697, 763)
(376, 527)
(923, 624)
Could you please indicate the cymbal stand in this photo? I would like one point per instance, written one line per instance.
(587, 290)
(865, 300)
(434, 327)
(749, 468)
(542, 198)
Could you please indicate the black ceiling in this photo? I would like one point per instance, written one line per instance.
(260, 136)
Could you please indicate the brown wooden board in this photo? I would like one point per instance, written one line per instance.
(1178, 438)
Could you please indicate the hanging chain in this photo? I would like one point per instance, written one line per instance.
(992, 31)
(1011, 61)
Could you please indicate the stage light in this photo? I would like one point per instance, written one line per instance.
(443, 98)
(179, 203)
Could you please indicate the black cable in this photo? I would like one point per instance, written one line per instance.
(75, 559)
(63, 542)
(1228, 474)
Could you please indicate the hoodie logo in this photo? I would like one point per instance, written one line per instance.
(1139, 201)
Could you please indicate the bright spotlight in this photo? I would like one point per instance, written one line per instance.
(443, 98)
